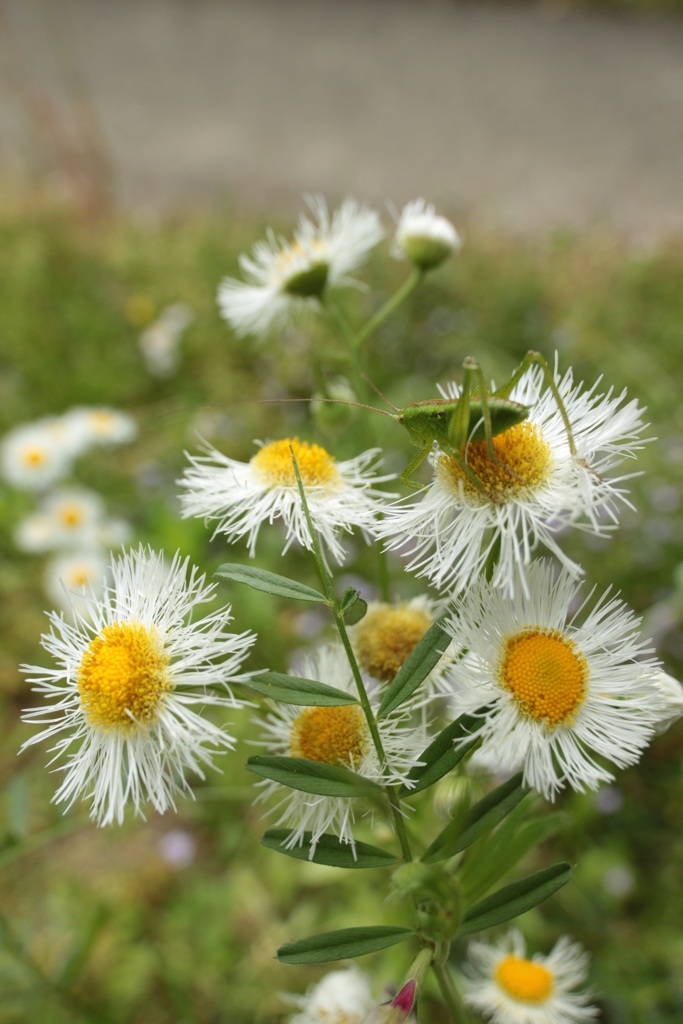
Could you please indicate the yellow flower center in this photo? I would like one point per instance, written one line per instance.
(336, 735)
(79, 578)
(522, 462)
(274, 463)
(546, 674)
(386, 637)
(101, 421)
(71, 516)
(34, 457)
(122, 676)
(524, 980)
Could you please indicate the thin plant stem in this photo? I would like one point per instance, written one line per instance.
(333, 604)
(450, 994)
(352, 352)
(392, 304)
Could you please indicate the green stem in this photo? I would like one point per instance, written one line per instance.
(352, 349)
(333, 604)
(392, 304)
(450, 994)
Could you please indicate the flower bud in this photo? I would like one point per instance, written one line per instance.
(424, 237)
(399, 1010)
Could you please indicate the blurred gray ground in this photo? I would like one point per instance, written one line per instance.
(519, 117)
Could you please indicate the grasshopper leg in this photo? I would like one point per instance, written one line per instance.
(472, 369)
(535, 358)
(413, 465)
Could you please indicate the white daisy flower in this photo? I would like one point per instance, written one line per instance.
(388, 633)
(339, 736)
(67, 517)
(35, 534)
(91, 426)
(671, 693)
(32, 458)
(535, 488)
(72, 579)
(126, 682)
(285, 277)
(160, 342)
(424, 237)
(113, 533)
(559, 696)
(340, 997)
(241, 496)
(507, 988)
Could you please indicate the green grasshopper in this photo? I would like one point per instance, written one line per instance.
(477, 415)
(454, 423)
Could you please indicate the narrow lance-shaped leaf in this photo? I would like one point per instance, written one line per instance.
(513, 900)
(313, 776)
(269, 582)
(442, 754)
(500, 852)
(329, 850)
(342, 945)
(293, 690)
(484, 816)
(417, 667)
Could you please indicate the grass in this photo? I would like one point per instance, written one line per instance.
(102, 928)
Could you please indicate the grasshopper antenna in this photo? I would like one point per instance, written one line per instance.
(377, 391)
(282, 401)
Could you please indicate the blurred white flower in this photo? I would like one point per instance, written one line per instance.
(32, 456)
(90, 426)
(69, 579)
(671, 693)
(340, 997)
(507, 988)
(70, 518)
(285, 277)
(35, 534)
(160, 342)
(424, 237)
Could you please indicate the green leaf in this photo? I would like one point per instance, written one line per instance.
(490, 860)
(484, 816)
(269, 582)
(442, 754)
(329, 850)
(312, 776)
(292, 690)
(417, 667)
(352, 606)
(349, 598)
(342, 945)
(513, 900)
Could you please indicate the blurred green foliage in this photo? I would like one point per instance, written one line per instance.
(102, 926)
